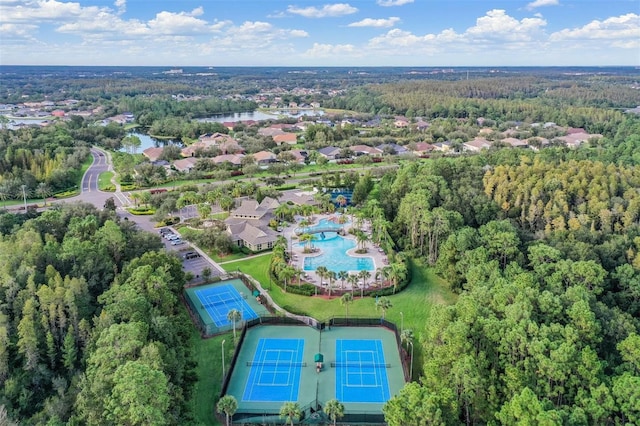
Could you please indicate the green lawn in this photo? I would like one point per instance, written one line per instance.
(415, 302)
(208, 355)
(104, 181)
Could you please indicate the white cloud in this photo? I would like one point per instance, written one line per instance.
(17, 30)
(47, 10)
(320, 50)
(388, 3)
(121, 5)
(179, 23)
(376, 23)
(496, 24)
(328, 10)
(624, 27)
(540, 3)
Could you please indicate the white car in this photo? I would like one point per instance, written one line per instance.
(177, 242)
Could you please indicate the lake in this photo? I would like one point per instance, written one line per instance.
(149, 142)
(260, 116)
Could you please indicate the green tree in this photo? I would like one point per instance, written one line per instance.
(290, 411)
(227, 405)
(69, 350)
(334, 409)
(384, 304)
(233, 316)
(415, 405)
(345, 301)
(140, 396)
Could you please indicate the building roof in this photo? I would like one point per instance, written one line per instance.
(290, 138)
(397, 148)
(263, 156)
(153, 153)
(235, 159)
(329, 151)
(185, 164)
(365, 149)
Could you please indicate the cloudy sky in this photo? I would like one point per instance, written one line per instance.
(318, 33)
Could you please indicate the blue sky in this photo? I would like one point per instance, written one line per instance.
(318, 33)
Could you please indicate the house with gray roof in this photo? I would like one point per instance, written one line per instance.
(248, 225)
(329, 152)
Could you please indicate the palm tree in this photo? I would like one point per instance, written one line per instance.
(322, 272)
(286, 274)
(407, 337)
(234, 315)
(341, 200)
(290, 411)
(383, 303)
(345, 301)
(334, 409)
(227, 405)
(362, 239)
(342, 275)
(43, 190)
(307, 239)
(353, 280)
(365, 275)
(332, 276)
(397, 272)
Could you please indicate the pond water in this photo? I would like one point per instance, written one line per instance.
(260, 115)
(149, 142)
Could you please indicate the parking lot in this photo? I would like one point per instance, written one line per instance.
(196, 262)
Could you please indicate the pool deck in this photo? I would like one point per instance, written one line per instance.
(297, 255)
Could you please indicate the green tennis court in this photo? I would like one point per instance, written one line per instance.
(282, 360)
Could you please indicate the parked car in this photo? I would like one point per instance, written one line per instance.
(177, 242)
(191, 255)
(171, 237)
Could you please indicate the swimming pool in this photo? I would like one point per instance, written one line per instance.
(324, 225)
(334, 255)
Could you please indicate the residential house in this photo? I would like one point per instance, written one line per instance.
(264, 158)
(423, 148)
(392, 148)
(299, 155)
(153, 153)
(515, 143)
(574, 140)
(288, 138)
(442, 146)
(476, 145)
(329, 152)
(421, 125)
(401, 122)
(185, 164)
(359, 150)
(270, 131)
(233, 159)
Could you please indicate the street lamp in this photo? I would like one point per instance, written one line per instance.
(401, 322)
(223, 361)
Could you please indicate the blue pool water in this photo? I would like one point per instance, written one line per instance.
(324, 224)
(334, 255)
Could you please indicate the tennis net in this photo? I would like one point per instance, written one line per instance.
(220, 302)
(275, 364)
(360, 365)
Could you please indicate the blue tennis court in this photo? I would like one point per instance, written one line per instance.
(275, 371)
(219, 300)
(361, 371)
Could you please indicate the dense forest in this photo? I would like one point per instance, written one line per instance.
(91, 326)
(543, 249)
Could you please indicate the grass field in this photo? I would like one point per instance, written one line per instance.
(104, 180)
(208, 355)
